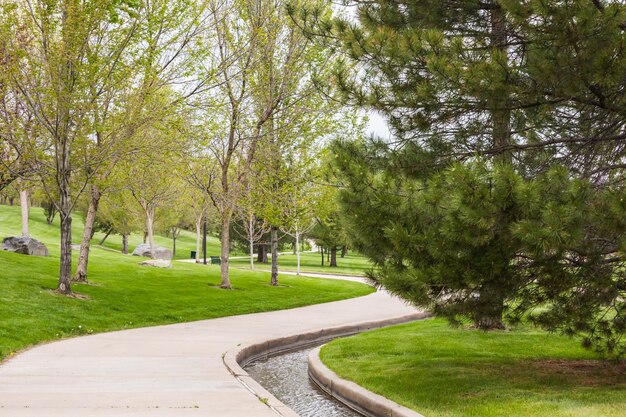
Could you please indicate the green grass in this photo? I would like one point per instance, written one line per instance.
(185, 243)
(352, 264)
(10, 221)
(123, 294)
(444, 372)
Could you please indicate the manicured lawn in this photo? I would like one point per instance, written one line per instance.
(185, 243)
(444, 372)
(123, 294)
(352, 264)
(10, 219)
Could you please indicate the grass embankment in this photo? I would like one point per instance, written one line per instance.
(10, 225)
(123, 294)
(444, 372)
(351, 264)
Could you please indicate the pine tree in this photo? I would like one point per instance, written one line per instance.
(492, 103)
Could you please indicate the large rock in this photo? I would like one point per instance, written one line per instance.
(24, 245)
(159, 252)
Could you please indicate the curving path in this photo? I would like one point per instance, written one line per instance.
(174, 370)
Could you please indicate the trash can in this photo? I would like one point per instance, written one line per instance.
(193, 254)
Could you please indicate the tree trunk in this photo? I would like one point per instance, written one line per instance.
(274, 279)
(149, 227)
(224, 256)
(106, 236)
(251, 255)
(489, 317)
(66, 254)
(294, 246)
(344, 251)
(198, 238)
(333, 256)
(174, 236)
(11, 200)
(328, 255)
(124, 243)
(500, 113)
(259, 252)
(51, 212)
(250, 232)
(204, 242)
(145, 237)
(63, 178)
(322, 250)
(83, 257)
(298, 253)
(25, 210)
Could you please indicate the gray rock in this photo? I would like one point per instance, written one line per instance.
(24, 245)
(158, 263)
(159, 252)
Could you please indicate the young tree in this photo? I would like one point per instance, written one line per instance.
(16, 119)
(254, 228)
(25, 206)
(73, 58)
(153, 180)
(162, 47)
(258, 67)
(118, 213)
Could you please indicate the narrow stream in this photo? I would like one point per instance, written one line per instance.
(286, 376)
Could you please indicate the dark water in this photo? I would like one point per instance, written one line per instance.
(287, 378)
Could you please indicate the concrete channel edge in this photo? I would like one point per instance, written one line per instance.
(353, 395)
(237, 358)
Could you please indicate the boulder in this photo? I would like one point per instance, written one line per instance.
(158, 263)
(24, 245)
(159, 252)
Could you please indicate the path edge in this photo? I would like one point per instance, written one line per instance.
(237, 358)
(351, 394)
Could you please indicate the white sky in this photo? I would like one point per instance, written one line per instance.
(377, 125)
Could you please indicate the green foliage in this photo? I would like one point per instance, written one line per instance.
(494, 196)
(478, 241)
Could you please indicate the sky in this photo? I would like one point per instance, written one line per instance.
(377, 125)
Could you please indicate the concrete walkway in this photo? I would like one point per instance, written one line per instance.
(174, 370)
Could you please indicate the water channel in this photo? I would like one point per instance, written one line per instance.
(286, 376)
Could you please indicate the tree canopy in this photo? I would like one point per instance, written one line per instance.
(497, 196)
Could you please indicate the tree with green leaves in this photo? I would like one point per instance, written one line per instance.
(261, 80)
(160, 48)
(155, 180)
(525, 87)
(118, 214)
(56, 78)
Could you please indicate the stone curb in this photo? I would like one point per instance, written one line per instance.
(352, 395)
(235, 359)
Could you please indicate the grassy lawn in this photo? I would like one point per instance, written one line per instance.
(123, 294)
(444, 372)
(185, 243)
(10, 221)
(312, 262)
